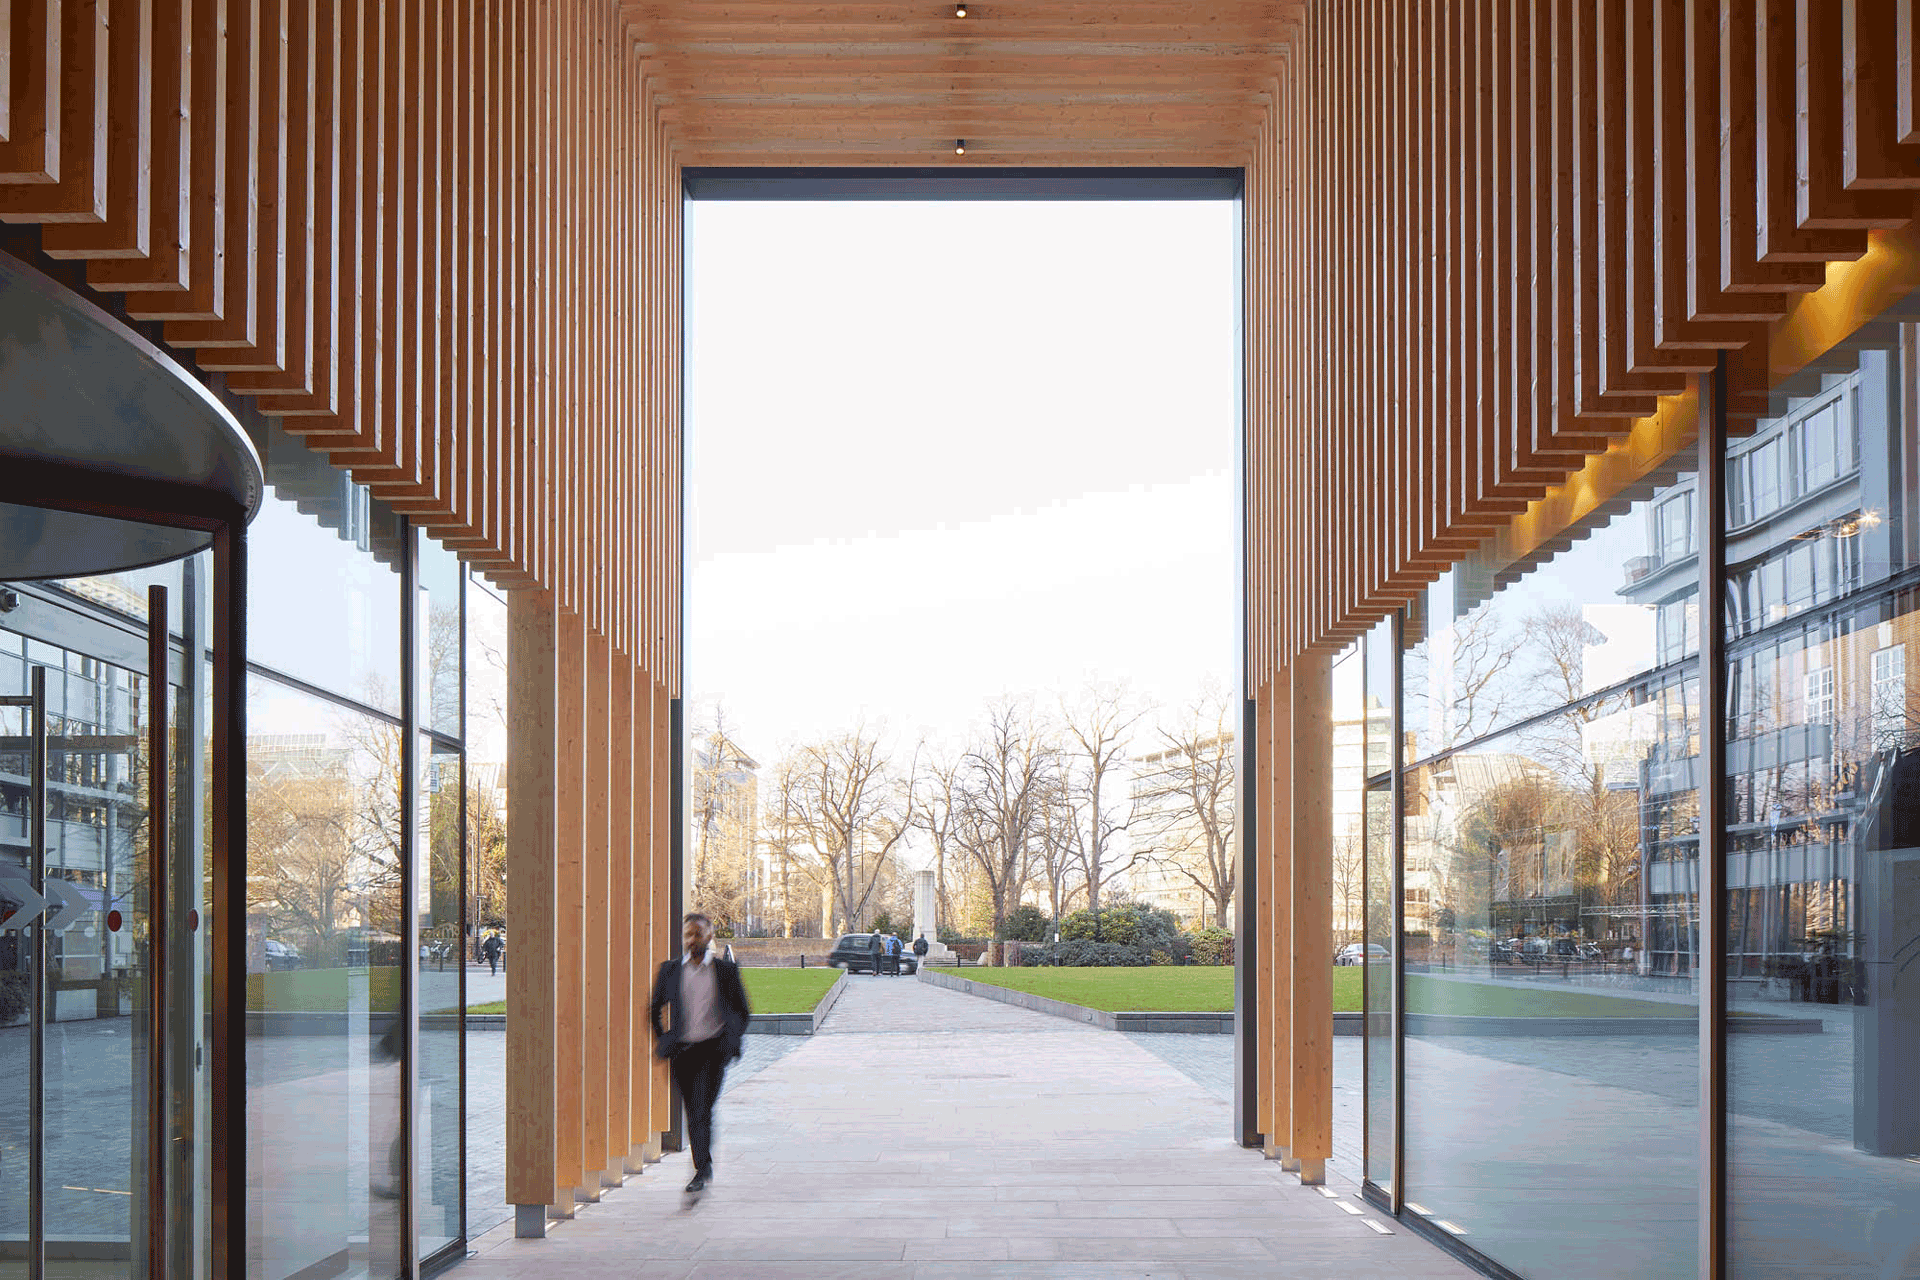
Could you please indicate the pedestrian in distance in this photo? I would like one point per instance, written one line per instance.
(707, 1012)
(893, 954)
(876, 949)
(491, 949)
(920, 946)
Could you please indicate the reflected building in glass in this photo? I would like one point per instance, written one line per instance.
(1534, 1050)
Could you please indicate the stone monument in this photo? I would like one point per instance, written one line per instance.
(924, 923)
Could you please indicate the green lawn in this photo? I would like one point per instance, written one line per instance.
(1161, 988)
(1210, 989)
(1429, 994)
(321, 990)
(768, 990)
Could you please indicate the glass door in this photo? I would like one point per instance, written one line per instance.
(104, 1048)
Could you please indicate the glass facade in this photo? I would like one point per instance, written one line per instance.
(360, 938)
(1822, 824)
(1534, 1051)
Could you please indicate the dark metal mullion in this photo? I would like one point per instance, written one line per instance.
(160, 1228)
(1246, 828)
(1246, 954)
(465, 923)
(1712, 910)
(1397, 838)
(409, 923)
(229, 905)
(37, 1040)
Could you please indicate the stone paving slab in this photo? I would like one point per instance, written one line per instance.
(929, 1134)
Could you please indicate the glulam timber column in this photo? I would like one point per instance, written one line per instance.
(626, 964)
(569, 1150)
(1310, 1142)
(532, 844)
(666, 932)
(603, 1166)
(643, 1133)
(1276, 745)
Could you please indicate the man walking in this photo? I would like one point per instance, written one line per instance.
(491, 949)
(875, 950)
(709, 1013)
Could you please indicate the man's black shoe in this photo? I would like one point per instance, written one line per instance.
(698, 1184)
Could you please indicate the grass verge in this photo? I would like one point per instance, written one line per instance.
(768, 991)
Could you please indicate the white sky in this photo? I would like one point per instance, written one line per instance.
(942, 451)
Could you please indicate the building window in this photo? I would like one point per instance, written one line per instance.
(1673, 526)
(1760, 474)
(1820, 696)
(1823, 448)
(1889, 696)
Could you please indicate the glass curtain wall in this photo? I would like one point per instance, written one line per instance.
(1548, 893)
(355, 758)
(1379, 1083)
(1547, 853)
(485, 1040)
(1822, 852)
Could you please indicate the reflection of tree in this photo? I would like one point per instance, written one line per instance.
(301, 855)
(1478, 688)
(1349, 881)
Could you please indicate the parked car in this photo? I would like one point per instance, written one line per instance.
(854, 954)
(282, 956)
(1362, 953)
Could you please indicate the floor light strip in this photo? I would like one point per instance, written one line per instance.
(1378, 1228)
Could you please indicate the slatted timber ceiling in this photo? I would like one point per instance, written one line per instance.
(1024, 82)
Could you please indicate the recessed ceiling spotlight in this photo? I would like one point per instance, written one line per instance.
(960, 10)
(959, 146)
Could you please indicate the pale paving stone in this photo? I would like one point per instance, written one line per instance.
(931, 1134)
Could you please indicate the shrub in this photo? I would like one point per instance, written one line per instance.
(15, 996)
(1026, 923)
(1131, 924)
(1212, 945)
(1081, 952)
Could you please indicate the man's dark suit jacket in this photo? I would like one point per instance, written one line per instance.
(733, 1006)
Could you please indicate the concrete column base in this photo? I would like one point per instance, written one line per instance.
(612, 1179)
(1313, 1171)
(1274, 1151)
(635, 1162)
(562, 1206)
(530, 1221)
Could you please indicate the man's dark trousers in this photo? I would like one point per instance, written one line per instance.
(697, 1071)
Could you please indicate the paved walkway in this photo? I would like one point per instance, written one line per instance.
(937, 1135)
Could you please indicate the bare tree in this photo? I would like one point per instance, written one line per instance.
(855, 812)
(722, 804)
(934, 813)
(1061, 846)
(803, 878)
(1184, 803)
(1099, 726)
(1006, 781)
